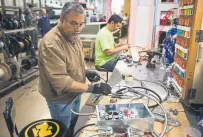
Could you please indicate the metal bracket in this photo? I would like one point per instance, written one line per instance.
(199, 36)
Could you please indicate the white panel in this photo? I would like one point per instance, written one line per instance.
(8, 2)
(28, 1)
(19, 3)
(57, 3)
(43, 3)
(142, 25)
(144, 2)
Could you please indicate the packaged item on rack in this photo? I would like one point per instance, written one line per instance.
(186, 2)
(180, 61)
(178, 79)
(181, 53)
(179, 72)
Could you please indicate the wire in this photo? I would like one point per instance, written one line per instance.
(143, 85)
(82, 129)
(153, 106)
(165, 114)
(102, 133)
(103, 79)
(161, 84)
(158, 83)
(156, 97)
(76, 113)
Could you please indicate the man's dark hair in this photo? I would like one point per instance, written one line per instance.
(30, 5)
(115, 18)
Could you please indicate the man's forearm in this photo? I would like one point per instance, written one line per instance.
(118, 45)
(110, 52)
(79, 87)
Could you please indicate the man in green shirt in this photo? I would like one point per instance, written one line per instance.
(105, 47)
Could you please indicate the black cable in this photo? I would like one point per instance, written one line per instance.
(82, 129)
(134, 91)
(103, 79)
(152, 106)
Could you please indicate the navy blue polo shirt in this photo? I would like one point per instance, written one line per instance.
(44, 24)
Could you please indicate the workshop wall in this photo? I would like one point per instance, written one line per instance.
(141, 22)
(126, 8)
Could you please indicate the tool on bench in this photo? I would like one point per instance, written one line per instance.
(93, 100)
(159, 116)
(151, 54)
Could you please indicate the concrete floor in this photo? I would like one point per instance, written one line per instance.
(31, 106)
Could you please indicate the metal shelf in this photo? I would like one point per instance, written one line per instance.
(181, 48)
(184, 28)
(187, 7)
(18, 30)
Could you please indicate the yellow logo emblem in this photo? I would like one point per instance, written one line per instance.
(43, 129)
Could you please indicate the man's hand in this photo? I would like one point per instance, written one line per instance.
(92, 76)
(125, 47)
(37, 17)
(101, 88)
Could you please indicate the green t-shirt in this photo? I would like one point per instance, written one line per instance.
(104, 40)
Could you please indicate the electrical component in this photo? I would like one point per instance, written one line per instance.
(93, 100)
(135, 132)
(113, 100)
(159, 116)
(135, 115)
(9, 69)
(29, 63)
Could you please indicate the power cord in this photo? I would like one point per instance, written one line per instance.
(135, 91)
(82, 129)
(76, 113)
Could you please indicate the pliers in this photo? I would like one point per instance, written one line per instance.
(120, 96)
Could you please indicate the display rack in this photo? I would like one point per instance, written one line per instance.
(190, 20)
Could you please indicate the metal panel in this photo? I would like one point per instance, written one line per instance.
(198, 76)
(197, 83)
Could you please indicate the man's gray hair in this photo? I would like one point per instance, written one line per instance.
(71, 6)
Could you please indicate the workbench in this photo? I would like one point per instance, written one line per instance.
(174, 132)
(140, 72)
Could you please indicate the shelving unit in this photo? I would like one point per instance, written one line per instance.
(22, 74)
(186, 48)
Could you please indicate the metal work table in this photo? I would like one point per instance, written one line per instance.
(174, 132)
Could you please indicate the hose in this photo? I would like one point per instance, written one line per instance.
(82, 129)
(76, 113)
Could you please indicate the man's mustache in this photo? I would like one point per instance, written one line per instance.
(76, 33)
